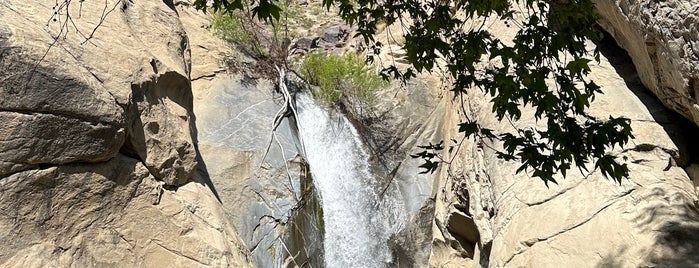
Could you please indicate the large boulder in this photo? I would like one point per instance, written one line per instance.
(118, 80)
(111, 214)
(98, 157)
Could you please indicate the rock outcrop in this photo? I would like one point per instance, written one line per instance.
(102, 162)
(662, 38)
(98, 157)
(258, 177)
(111, 214)
(486, 214)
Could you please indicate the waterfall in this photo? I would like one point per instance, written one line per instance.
(358, 223)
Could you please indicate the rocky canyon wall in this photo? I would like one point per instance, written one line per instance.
(485, 214)
(131, 136)
(98, 153)
(488, 215)
(662, 38)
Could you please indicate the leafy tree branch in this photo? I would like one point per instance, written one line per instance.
(543, 68)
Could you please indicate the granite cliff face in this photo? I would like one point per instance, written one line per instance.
(98, 157)
(102, 162)
(483, 214)
(662, 38)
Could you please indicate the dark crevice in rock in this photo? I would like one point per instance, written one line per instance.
(463, 229)
(179, 254)
(677, 126)
(45, 166)
(304, 240)
(25, 168)
(170, 4)
(485, 254)
(209, 75)
(536, 203)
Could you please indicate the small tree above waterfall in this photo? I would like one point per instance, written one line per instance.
(544, 67)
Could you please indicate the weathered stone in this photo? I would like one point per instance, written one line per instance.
(306, 43)
(52, 119)
(233, 141)
(304, 238)
(161, 126)
(335, 36)
(487, 215)
(585, 220)
(103, 214)
(61, 69)
(235, 114)
(662, 38)
(30, 139)
(98, 164)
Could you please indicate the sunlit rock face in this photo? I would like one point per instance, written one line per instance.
(585, 220)
(98, 160)
(485, 214)
(102, 162)
(662, 38)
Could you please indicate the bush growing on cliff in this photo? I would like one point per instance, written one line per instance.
(232, 28)
(341, 75)
(229, 27)
(549, 46)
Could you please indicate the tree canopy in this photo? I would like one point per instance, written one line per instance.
(545, 67)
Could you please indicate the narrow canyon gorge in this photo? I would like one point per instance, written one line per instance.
(133, 134)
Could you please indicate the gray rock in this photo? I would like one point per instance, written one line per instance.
(335, 36)
(306, 43)
(258, 194)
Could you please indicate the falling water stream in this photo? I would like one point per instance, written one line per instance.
(358, 222)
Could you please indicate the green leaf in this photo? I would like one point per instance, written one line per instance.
(266, 11)
(468, 128)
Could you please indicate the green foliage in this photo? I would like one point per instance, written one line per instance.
(230, 27)
(338, 75)
(219, 5)
(549, 45)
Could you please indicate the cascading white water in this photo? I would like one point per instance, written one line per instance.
(357, 223)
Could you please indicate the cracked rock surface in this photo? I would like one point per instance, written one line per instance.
(585, 220)
(235, 108)
(98, 163)
(662, 38)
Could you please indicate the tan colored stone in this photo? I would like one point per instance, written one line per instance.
(649, 220)
(662, 39)
(127, 71)
(111, 214)
(98, 164)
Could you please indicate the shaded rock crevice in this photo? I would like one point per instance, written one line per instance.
(661, 38)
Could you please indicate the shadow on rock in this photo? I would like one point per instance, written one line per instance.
(673, 223)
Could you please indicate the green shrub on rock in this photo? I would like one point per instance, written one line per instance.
(229, 27)
(339, 76)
